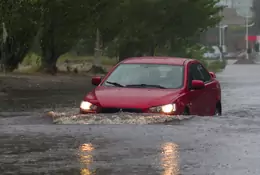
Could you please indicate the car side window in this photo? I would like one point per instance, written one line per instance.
(194, 74)
(204, 73)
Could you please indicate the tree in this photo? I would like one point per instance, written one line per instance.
(105, 24)
(134, 28)
(20, 20)
(63, 24)
(163, 23)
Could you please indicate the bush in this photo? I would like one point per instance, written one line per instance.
(31, 59)
(104, 59)
(217, 66)
(197, 51)
(223, 64)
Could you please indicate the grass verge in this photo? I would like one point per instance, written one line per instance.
(32, 62)
(104, 59)
(217, 66)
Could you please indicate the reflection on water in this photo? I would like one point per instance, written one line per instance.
(170, 158)
(86, 158)
(87, 147)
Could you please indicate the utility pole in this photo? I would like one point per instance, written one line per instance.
(220, 42)
(246, 13)
(220, 38)
(224, 27)
(247, 44)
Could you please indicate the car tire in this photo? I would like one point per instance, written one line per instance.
(218, 110)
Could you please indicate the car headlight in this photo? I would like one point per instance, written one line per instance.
(169, 108)
(87, 106)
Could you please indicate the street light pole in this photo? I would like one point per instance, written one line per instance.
(223, 36)
(247, 15)
(247, 44)
(223, 27)
(220, 39)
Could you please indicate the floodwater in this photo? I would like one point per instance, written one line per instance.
(132, 145)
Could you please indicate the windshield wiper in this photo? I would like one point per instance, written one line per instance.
(115, 84)
(146, 85)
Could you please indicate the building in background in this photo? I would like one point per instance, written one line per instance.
(234, 16)
(237, 4)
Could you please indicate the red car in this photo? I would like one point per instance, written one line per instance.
(163, 85)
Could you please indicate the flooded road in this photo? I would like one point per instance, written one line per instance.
(226, 145)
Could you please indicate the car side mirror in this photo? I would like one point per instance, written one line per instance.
(197, 84)
(96, 80)
(212, 74)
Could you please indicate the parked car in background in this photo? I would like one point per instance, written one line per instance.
(213, 52)
(231, 55)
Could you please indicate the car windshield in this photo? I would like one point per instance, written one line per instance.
(146, 76)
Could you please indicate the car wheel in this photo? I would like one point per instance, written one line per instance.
(218, 110)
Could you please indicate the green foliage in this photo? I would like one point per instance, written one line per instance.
(31, 59)
(20, 16)
(217, 66)
(21, 23)
(164, 23)
(63, 24)
(196, 52)
(128, 28)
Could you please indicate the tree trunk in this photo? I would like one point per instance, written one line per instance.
(50, 66)
(49, 53)
(50, 58)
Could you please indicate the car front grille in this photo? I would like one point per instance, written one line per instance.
(115, 110)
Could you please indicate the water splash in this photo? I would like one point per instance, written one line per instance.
(117, 118)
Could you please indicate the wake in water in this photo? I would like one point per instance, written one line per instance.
(118, 118)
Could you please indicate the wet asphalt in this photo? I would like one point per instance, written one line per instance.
(226, 145)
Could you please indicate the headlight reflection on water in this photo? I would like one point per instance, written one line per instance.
(86, 158)
(170, 157)
(87, 147)
(169, 160)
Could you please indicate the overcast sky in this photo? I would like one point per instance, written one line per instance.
(242, 6)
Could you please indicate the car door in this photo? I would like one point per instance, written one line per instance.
(196, 98)
(209, 91)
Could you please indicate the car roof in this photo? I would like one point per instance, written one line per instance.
(157, 60)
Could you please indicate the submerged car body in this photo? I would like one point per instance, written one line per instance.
(163, 85)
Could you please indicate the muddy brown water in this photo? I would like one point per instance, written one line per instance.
(32, 144)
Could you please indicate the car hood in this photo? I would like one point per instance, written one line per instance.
(134, 97)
